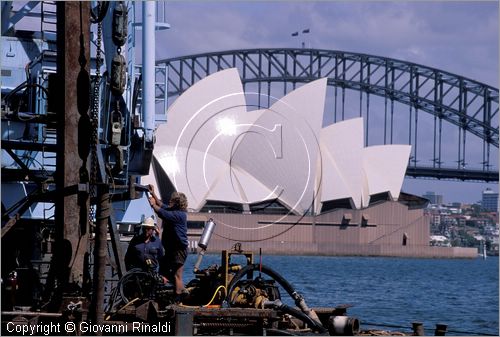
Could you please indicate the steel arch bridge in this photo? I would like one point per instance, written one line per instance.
(460, 114)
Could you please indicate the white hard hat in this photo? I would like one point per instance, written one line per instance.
(149, 223)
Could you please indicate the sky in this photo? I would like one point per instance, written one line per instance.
(460, 37)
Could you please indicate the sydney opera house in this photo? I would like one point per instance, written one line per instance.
(277, 179)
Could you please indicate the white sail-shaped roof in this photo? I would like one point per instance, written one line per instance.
(341, 148)
(385, 167)
(196, 145)
(283, 150)
(213, 148)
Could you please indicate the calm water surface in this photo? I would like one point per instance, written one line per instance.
(394, 291)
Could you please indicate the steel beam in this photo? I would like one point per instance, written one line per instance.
(447, 173)
(21, 13)
(28, 146)
(37, 176)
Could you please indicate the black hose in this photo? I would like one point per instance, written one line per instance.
(278, 305)
(300, 315)
(23, 85)
(299, 300)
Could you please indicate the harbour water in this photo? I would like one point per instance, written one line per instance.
(387, 293)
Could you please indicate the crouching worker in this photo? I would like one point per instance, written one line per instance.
(145, 250)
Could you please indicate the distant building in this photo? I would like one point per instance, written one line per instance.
(462, 221)
(489, 201)
(436, 199)
(436, 220)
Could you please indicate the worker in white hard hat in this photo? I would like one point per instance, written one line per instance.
(145, 250)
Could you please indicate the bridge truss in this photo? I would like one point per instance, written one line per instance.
(455, 138)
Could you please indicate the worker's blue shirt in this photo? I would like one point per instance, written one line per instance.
(174, 236)
(144, 255)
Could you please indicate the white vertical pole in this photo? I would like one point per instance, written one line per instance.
(148, 67)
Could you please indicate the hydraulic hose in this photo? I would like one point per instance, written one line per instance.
(278, 305)
(299, 300)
